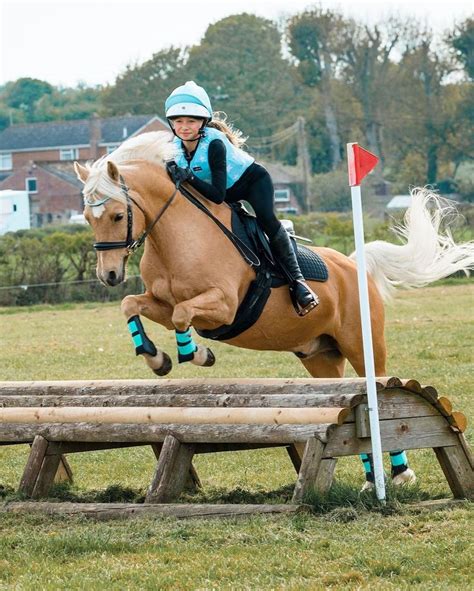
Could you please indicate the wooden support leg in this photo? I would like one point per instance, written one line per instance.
(64, 472)
(40, 470)
(296, 451)
(325, 475)
(33, 466)
(171, 472)
(46, 475)
(310, 465)
(193, 482)
(457, 468)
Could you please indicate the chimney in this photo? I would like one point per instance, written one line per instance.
(94, 136)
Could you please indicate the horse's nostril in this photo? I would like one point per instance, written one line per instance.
(112, 278)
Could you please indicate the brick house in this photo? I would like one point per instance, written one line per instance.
(38, 158)
(288, 187)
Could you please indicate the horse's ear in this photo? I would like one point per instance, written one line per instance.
(81, 172)
(113, 171)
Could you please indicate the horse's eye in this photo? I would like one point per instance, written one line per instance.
(118, 217)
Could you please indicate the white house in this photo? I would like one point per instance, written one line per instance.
(14, 211)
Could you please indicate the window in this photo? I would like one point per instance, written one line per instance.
(31, 184)
(68, 154)
(282, 195)
(14, 207)
(5, 161)
(110, 149)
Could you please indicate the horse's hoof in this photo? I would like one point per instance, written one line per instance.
(368, 486)
(211, 359)
(405, 477)
(166, 366)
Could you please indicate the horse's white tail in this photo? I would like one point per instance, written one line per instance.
(428, 254)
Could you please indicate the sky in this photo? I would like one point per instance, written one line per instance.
(66, 42)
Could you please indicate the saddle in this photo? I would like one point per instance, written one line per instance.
(269, 275)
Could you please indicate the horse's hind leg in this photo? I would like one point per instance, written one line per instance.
(400, 471)
(330, 364)
(135, 305)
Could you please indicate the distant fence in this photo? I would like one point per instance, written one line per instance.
(67, 291)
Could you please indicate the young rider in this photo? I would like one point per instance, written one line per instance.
(211, 160)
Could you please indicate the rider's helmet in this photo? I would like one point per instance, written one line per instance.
(189, 100)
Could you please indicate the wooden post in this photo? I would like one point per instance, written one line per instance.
(46, 475)
(33, 466)
(193, 482)
(458, 470)
(64, 472)
(296, 451)
(171, 472)
(325, 475)
(310, 465)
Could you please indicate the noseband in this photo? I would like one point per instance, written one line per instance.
(129, 243)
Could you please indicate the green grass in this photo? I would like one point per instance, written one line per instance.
(349, 544)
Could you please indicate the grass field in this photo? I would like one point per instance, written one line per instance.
(349, 544)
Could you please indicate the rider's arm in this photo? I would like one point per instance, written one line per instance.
(218, 164)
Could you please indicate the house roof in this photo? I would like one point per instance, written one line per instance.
(72, 133)
(64, 171)
(282, 173)
(399, 202)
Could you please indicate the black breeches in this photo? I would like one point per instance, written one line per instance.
(259, 193)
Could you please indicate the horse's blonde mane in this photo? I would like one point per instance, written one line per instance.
(156, 147)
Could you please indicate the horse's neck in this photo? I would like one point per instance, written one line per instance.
(187, 239)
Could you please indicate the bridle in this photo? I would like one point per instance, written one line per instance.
(129, 243)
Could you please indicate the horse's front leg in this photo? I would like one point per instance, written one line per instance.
(135, 305)
(211, 305)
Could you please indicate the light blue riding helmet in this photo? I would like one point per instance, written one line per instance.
(189, 100)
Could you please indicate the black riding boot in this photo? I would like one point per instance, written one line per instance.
(302, 296)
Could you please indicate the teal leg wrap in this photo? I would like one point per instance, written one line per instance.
(140, 340)
(368, 466)
(186, 346)
(399, 462)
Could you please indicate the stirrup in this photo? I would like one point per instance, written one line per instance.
(303, 310)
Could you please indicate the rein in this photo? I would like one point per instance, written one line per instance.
(130, 244)
(247, 254)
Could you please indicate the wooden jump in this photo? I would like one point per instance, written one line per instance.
(316, 420)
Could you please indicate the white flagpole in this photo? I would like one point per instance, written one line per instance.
(367, 342)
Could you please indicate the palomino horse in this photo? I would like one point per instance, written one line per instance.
(194, 276)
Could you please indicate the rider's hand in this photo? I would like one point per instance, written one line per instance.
(177, 174)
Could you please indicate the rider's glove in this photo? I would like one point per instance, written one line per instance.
(177, 174)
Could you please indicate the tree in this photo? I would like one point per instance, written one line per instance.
(366, 53)
(24, 94)
(313, 40)
(143, 89)
(428, 100)
(462, 42)
(68, 103)
(239, 62)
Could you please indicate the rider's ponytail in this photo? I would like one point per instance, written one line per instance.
(234, 135)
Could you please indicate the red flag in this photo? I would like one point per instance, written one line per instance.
(359, 162)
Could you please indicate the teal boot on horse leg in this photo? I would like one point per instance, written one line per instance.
(401, 473)
(157, 360)
(188, 350)
(302, 296)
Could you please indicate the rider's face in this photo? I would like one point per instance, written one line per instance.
(187, 128)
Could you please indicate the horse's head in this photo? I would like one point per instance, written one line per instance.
(112, 209)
